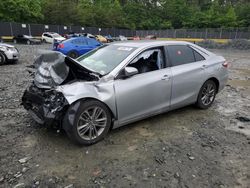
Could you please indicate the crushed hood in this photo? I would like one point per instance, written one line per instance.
(51, 69)
(54, 69)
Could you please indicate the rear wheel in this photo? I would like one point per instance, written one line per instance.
(2, 58)
(207, 94)
(73, 54)
(90, 124)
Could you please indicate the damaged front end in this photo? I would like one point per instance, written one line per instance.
(45, 106)
(41, 99)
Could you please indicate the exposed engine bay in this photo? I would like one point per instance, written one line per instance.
(52, 69)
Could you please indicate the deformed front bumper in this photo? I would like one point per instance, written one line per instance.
(44, 108)
(12, 54)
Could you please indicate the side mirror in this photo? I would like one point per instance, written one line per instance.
(130, 71)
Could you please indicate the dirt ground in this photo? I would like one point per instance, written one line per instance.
(184, 148)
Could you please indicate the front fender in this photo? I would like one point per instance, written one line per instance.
(103, 92)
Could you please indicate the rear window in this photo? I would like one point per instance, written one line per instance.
(180, 55)
(79, 41)
(198, 57)
(92, 42)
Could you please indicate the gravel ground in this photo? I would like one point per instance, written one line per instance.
(184, 148)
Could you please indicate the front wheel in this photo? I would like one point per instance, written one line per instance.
(87, 122)
(206, 95)
(2, 58)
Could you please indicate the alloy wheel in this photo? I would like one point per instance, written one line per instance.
(208, 94)
(91, 123)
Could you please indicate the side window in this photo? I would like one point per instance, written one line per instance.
(149, 60)
(198, 57)
(92, 42)
(180, 54)
(79, 41)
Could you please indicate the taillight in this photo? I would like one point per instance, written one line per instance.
(225, 64)
(60, 45)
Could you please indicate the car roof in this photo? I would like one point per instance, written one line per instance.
(147, 43)
(140, 44)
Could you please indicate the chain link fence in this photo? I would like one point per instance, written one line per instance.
(13, 29)
(209, 33)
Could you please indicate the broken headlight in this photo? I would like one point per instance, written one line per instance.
(55, 101)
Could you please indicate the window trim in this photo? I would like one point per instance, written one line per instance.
(165, 65)
(189, 46)
(199, 54)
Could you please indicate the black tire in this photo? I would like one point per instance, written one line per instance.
(203, 101)
(43, 41)
(74, 117)
(73, 54)
(2, 58)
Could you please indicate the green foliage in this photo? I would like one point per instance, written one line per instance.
(20, 10)
(243, 14)
(131, 14)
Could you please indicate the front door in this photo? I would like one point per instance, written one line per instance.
(147, 92)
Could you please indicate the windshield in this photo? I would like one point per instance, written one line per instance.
(104, 59)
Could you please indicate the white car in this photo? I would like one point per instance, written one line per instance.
(50, 37)
(8, 53)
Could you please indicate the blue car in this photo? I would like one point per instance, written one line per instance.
(75, 47)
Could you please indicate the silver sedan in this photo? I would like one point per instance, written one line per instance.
(121, 83)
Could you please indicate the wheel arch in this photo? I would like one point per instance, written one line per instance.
(92, 98)
(4, 55)
(74, 51)
(216, 81)
(75, 103)
(112, 113)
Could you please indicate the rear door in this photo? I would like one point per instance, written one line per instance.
(147, 92)
(82, 45)
(188, 74)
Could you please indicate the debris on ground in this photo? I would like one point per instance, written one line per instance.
(24, 160)
(243, 119)
(184, 148)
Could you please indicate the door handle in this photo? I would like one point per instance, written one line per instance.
(204, 66)
(165, 77)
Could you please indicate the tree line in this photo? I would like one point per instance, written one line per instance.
(130, 14)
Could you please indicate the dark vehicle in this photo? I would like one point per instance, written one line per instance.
(71, 35)
(109, 38)
(26, 39)
(151, 37)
